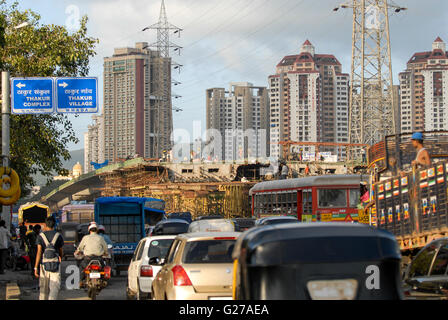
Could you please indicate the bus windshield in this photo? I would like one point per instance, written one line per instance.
(332, 198)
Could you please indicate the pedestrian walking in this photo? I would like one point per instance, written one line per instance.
(5, 236)
(48, 261)
(31, 239)
(22, 233)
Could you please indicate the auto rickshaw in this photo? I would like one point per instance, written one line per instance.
(69, 232)
(317, 261)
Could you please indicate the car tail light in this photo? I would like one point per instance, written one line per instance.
(180, 277)
(146, 271)
(224, 238)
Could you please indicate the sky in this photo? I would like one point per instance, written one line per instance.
(227, 41)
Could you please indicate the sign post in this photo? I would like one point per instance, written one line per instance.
(32, 95)
(6, 112)
(77, 95)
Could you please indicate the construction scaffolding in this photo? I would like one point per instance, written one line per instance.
(229, 199)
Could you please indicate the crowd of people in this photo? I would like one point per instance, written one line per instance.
(34, 241)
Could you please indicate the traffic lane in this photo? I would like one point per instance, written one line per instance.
(115, 290)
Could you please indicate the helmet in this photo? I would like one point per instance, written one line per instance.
(93, 225)
(101, 228)
(417, 136)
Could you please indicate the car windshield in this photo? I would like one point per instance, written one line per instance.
(209, 251)
(159, 248)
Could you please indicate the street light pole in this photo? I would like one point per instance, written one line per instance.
(6, 112)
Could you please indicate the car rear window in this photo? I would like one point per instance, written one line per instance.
(278, 221)
(159, 248)
(315, 250)
(171, 228)
(209, 251)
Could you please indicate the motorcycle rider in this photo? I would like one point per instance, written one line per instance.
(102, 233)
(93, 247)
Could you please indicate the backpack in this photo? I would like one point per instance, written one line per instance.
(50, 257)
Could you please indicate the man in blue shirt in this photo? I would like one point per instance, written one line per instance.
(102, 232)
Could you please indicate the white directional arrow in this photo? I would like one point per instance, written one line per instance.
(63, 84)
(20, 85)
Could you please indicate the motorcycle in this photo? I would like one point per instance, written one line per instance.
(97, 277)
(97, 273)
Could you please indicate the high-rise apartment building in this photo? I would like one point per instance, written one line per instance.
(94, 143)
(137, 103)
(240, 117)
(308, 101)
(424, 90)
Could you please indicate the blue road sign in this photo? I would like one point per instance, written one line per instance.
(77, 95)
(32, 95)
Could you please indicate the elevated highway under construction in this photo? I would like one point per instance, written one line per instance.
(197, 187)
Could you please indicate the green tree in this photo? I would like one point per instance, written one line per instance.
(38, 142)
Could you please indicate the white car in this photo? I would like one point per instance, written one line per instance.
(145, 264)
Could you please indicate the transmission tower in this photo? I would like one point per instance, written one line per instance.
(371, 108)
(162, 103)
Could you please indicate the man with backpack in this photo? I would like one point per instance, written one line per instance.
(49, 253)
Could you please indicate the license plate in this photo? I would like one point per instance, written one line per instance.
(219, 298)
(95, 275)
(333, 289)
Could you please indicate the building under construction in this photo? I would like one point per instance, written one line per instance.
(180, 192)
(202, 188)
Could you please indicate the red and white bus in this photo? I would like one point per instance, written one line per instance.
(316, 198)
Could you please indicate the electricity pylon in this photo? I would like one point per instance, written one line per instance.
(161, 105)
(371, 108)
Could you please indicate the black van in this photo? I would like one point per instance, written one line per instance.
(317, 261)
(170, 227)
(180, 215)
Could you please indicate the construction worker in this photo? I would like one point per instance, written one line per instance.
(422, 159)
(307, 170)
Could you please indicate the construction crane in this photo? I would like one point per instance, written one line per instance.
(372, 111)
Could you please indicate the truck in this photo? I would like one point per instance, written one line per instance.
(410, 203)
(126, 220)
(33, 213)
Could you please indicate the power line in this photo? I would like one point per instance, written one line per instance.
(251, 33)
(220, 26)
